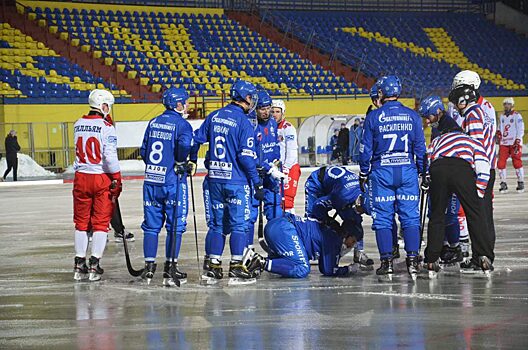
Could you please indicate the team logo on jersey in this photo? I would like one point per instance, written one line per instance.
(112, 139)
(266, 131)
(156, 169)
(290, 137)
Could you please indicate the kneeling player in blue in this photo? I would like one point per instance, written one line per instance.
(336, 187)
(231, 166)
(268, 156)
(165, 149)
(392, 154)
(294, 241)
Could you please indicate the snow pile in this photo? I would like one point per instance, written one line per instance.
(27, 167)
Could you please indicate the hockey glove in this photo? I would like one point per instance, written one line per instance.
(259, 193)
(116, 186)
(262, 172)
(363, 178)
(426, 182)
(276, 174)
(517, 146)
(498, 135)
(191, 168)
(180, 168)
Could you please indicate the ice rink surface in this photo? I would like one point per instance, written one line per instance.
(42, 307)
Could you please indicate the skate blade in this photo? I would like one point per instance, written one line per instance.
(503, 192)
(385, 278)
(433, 275)
(520, 191)
(414, 276)
(77, 276)
(234, 281)
(208, 281)
(94, 277)
(169, 282)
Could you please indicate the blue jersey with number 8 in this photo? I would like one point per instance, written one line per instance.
(167, 140)
(231, 155)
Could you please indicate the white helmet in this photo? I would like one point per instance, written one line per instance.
(279, 104)
(98, 97)
(509, 100)
(466, 77)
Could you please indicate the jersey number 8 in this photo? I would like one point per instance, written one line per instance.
(156, 152)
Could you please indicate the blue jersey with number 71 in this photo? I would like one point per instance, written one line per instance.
(392, 137)
(231, 153)
(167, 140)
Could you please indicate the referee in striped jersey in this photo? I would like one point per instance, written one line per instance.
(459, 165)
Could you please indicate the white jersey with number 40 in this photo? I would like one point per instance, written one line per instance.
(95, 146)
(288, 144)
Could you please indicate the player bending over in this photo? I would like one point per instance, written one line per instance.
(97, 182)
(165, 149)
(294, 241)
(336, 187)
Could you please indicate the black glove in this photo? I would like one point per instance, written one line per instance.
(262, 172)
(426, 182)
(259, 193)
(363, 178)
(334, 225)
(180, 168)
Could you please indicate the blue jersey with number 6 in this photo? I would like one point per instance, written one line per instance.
(231, 154)
(167, 140)
(392, 137)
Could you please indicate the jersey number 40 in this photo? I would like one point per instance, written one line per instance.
(89, 152)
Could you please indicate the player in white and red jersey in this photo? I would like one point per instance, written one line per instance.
(510, 136)
(97, 182)
(288, 152)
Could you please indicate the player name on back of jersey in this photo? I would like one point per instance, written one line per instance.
(88, 128)
(220, 170)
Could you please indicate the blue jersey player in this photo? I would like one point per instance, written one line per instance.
(165, 150)
(294, 241)
(336, 187)
(268, 157)
(231, 170)
(391, 156)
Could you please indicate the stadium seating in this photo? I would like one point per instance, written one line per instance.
(29, 69)
(205, 53)
(425, 50)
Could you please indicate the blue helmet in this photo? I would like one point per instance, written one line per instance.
(172, 96)
(430, 105)
(389, 85)
(374, 92)
(241, 89)
(264, 99)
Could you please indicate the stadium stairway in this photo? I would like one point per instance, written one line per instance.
(14, 18)
(254, 22)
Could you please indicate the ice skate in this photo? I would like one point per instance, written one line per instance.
(486, 265)
(212, 272)
(385, 271)
(256, 265)
(503, 188)
(464, 246)
(452, 256)
(433, 269)
(412, 266)
(80, 270)
(148, 272)
(396, 251)
(95, 270)
(477, 266)
(239, 274)
(172, 276)
(118, 236)
(361, 258)
(520, 187)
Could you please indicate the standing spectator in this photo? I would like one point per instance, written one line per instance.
(333, 144)
(11, 147)
(356, 132)
(343, 142)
